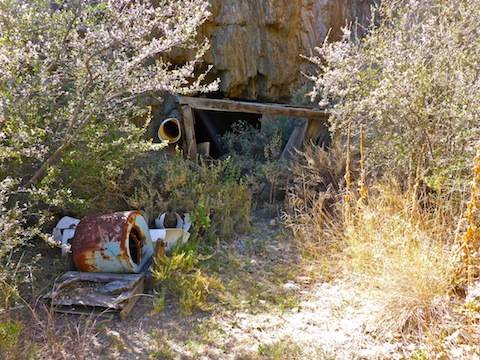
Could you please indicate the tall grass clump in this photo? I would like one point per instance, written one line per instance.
(467, 235)
(312, 201)
(399, 252)
(407, 261)
(181, 276)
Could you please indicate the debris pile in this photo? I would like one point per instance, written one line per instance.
(112, 253)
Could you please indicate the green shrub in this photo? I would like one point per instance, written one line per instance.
(15, 231)
(73, 76)
(9, 338)
(412, 81)
(204, 189)
(180, 276)
(254, 155)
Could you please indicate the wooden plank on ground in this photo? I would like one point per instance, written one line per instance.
(99, 277)
(252, 108)
(96, 293)
(133, 296)
(93, 300)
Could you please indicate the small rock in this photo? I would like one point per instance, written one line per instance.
(272, 223)
(114, 333)
(457, 353)
(411, 347)
(366, 354)
(272, 248)
(289, 286)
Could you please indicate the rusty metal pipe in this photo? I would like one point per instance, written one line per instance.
(170, 130)
(118, 242)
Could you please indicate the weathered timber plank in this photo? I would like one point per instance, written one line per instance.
(91, 300)
(99, 277)
(252, 108)
(295, 141)
(85, 293)
(133, 299)
(116, 287)
(189, 126)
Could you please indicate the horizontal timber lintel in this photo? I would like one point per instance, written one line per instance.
(252, 107)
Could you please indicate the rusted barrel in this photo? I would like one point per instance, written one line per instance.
(118, 242)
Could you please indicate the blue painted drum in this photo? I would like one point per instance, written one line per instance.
(118, 242)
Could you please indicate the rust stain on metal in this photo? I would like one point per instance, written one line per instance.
(118, 242)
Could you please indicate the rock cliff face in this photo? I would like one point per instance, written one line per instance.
(256, 44)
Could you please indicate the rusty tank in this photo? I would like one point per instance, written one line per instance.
(118, 242)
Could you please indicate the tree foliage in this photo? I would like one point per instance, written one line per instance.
(73, 74)
(413, 81)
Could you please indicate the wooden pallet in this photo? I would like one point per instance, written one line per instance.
(96, 293)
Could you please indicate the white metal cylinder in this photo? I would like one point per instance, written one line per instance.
(170, 130)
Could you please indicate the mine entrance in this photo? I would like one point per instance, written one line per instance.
(206, 119)
(211, 125)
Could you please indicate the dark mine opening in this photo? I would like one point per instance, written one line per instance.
(134, 246)
(211, 125)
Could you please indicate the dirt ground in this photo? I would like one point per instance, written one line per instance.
(271, 308)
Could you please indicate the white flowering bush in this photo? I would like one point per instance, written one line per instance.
(73, 73)
(413, 81)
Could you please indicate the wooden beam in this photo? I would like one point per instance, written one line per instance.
(252, 107)
(189, 127)
(295, 141)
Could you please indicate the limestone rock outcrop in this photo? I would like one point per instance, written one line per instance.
(255, 45)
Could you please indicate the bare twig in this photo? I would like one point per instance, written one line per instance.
(348, 176)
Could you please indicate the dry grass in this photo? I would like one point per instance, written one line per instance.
(399, 252)
(402, 258)
(468, 235)
(312, 202)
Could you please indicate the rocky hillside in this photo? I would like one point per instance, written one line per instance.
(255, 44)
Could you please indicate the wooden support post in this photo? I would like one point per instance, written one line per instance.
(296, 139)
(189, 126)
